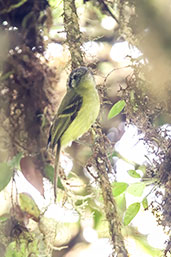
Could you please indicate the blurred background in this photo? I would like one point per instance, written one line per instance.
(127, 45)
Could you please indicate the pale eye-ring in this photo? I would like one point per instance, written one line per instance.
(75, 76)
(74, 79)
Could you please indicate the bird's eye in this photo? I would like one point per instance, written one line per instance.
(73, 80)
(75, 77)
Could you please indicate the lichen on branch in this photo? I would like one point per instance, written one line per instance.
(74, 36)
(100, 159)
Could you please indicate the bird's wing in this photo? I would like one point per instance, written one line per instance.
(67, 112)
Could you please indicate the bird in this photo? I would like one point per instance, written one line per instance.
(78, 110)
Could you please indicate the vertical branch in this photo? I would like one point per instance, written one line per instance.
(74, 40)
(74, 36)
(103, 167)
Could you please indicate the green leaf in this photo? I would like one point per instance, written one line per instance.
(17, 249)
(15, 162)
(116, 109)
(49, 173)
(28, 205)
(121, 203)
(11, 250)
(97, 217)
(131, 212)
(145, 203)
(118, 188)
(26, 245)
(134, 174)
(136, 189)
(5, 175)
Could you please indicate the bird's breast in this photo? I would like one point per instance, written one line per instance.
(85, 118)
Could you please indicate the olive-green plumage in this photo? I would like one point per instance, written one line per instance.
(77, 112)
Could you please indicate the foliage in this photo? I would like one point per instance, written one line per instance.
(119, 188)
(134, 173)
(116, 109)
(131, 212)
(31, 87)
(23, 247)
(5, 175)
(28, 205)
(6, 170)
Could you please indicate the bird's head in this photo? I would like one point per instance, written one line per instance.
(79, 76)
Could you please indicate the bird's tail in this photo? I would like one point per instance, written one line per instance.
(56, 169)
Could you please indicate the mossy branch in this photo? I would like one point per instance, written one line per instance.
(74, 36)
(74, 40)
(103, 166)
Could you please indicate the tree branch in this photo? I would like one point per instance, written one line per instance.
(103, 167)
(74, 40)
(74, 36)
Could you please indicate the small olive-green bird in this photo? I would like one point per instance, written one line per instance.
(77, 112)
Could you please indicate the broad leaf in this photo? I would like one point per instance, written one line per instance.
(116, 109)
(118, 188)
(28, 205)
(134, 174)
(121, 203)
(49, 172)
(15, 162)
(136, 189)
(5, 175)
(131, 212)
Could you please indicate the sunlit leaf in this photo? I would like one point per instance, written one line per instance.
(145, 203)
(5, 175)
(28, 205)
(131, 212)
(136, 189)
(118, 188)
(134, 174)
(14, 250)
(121, 203)
(116, 109)
(97, 217)
(15, 162)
